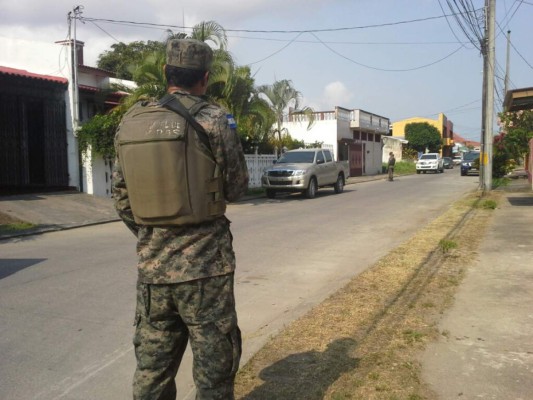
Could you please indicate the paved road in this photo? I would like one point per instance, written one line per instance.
(66, 298)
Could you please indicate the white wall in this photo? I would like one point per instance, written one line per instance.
(97, 174)
(394, 145)
(373, 158)
(321, 131)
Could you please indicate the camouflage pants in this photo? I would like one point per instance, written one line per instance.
(167, 316)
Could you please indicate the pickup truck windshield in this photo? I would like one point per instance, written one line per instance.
(297, 157)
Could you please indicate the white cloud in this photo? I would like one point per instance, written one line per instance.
(335, 94)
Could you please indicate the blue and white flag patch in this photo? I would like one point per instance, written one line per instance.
(231, 121)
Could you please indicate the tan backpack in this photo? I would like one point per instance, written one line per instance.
(170, 172)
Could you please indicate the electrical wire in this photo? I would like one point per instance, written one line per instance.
(514, 12)
(347, 43)
(103, 30)
(277, 51)
(466, 16)
(148, 24)
(448, 22)
(386, 69)
(514, 48)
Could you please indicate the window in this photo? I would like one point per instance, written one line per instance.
(327, 153)
(319, 158)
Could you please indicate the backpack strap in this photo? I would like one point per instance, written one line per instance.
(172, 103)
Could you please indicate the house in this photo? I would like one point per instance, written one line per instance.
(515, 101)
(443, 125)
(352, 134)
(39, 149)
(463, 145)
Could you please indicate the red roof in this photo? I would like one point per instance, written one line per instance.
(459, 139)
(25, 74)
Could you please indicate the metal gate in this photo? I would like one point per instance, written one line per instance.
(33, 135)
(356, 159)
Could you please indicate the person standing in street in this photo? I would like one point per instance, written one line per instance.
(178, 161)
(390, 166)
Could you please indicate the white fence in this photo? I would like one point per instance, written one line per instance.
(256, 163)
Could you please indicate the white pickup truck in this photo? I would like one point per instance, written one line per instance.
(305, 170)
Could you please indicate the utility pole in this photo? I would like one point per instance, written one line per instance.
(76, 103)
(507, 65)
(488, 79)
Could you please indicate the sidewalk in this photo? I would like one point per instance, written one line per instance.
(487, 349)
(57, 211)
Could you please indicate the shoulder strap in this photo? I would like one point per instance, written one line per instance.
(171, 102)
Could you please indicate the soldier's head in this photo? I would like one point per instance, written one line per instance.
(188, 63)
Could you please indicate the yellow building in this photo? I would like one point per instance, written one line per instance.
(443, 125)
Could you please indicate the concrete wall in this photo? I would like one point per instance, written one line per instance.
(321, 131)
(394, 145)
(96, 173)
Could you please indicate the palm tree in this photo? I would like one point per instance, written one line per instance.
(281, 95)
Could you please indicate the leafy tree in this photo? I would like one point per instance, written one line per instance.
(422, 136)
(502, 160)
(512, 144)
(122, 57)
(518, 130)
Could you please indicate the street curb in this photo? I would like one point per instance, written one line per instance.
(53, 228)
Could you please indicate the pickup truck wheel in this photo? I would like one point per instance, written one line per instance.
(271, 194)
(339, 185)
(418, 171)
(310, 192)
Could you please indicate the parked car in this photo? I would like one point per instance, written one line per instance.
(457, 160)
(430, 162)
(470, 163)
(447, 162)
(305, 170)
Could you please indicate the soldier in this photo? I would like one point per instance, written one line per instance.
(390, 166)
(178, 161)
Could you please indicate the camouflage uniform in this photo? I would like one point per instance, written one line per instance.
(185, 284)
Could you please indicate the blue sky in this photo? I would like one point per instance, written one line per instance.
(367, 54)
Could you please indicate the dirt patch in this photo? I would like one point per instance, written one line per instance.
(9, 225)
(6, 219)
(364, 341)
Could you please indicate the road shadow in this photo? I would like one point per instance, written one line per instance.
(521, 201)
(10, 266)
(306, 376)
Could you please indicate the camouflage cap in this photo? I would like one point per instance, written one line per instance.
(189, 54)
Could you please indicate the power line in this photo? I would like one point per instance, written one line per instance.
(148, 24)
(277, 51)
(466, 17)
(515, 49)
(514, 12)
(448, 22)
(348, 43)
(103, 30)
(386, 69)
